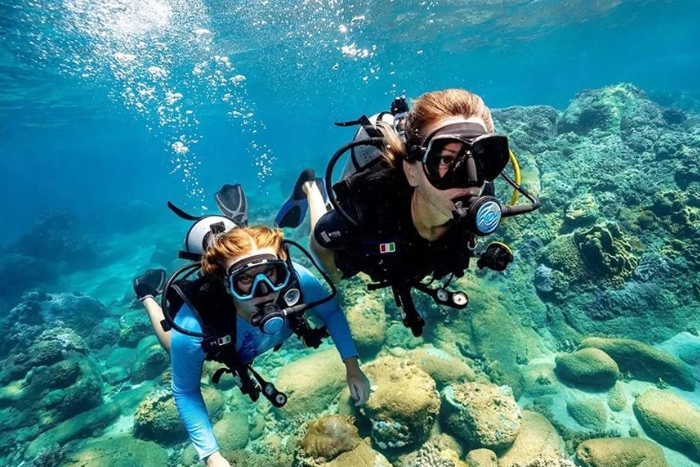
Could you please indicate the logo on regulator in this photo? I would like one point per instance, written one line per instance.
(488, 217)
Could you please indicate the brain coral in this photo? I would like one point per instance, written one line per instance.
(606, 250)
(327, 438)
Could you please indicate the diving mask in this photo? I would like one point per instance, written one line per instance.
(462, 155)
(257, 276)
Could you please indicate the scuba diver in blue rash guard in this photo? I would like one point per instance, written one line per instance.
(413, 199)
(248, 298)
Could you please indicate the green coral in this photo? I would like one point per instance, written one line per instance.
(564, 258)
(606, 250)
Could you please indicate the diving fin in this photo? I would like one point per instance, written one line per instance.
(233, 203)
(293, 211)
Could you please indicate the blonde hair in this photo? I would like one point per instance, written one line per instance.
(240, 241)
(427, 109)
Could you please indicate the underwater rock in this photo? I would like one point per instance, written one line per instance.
(117, 451)
(481, 458)
(121, 357)
(588, 368)
(617, 398)
(81, 426)
(311, 383)
(482, 415)
(115, 375)
(367, 320)
(44, 385)
(644, 362)
(536, 440)
(686, 346)
(56, 234)
(156, 418)
(441, 366)
(74, 310)
(620, 452)
(326, 438)
(48, 348)
(670, 420)
(40, 311)
(589, 412)
(431, 455)
(362, 456)
(608, 109)
(151, 360)
(105, 333)
(532, 127)
(134, 326)
(606, 250)
(19, 273)
(232, 431)
(544, 282)
(582, 210)
(539, 379)
(563, 257)
(405, 405)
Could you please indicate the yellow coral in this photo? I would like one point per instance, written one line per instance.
(330, 436)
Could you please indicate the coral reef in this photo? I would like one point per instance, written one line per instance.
(481, 415)
(156, 418)
(404, 407)
(606, 251)
(326, 438)
(429, 456)
(311, 383)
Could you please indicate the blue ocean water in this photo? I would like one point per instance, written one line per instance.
(85, 113)
(108, 109)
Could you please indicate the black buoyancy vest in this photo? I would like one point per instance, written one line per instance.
(380, 197)
(215, 310)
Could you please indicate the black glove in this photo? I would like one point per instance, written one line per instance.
(150, 284)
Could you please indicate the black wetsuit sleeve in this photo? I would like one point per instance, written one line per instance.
(333, 231)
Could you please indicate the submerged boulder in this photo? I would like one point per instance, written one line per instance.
(644, 362)
(670, 420)
(620, 452)
(482, 415)
(405, 405)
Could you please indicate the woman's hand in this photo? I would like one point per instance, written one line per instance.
(357, 381)
(217, 460)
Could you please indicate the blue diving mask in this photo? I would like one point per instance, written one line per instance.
(257, 276)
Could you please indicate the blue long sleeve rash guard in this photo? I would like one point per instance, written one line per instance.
(188, 357)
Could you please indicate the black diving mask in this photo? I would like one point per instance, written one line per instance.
(462, 155)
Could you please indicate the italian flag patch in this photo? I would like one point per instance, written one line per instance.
(387, 247)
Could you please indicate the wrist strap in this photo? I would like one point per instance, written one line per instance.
(141, 299)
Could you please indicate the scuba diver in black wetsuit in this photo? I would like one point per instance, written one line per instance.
(413, 199)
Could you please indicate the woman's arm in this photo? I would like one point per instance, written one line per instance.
(187, 357)
(334, 319)
(155, 315)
